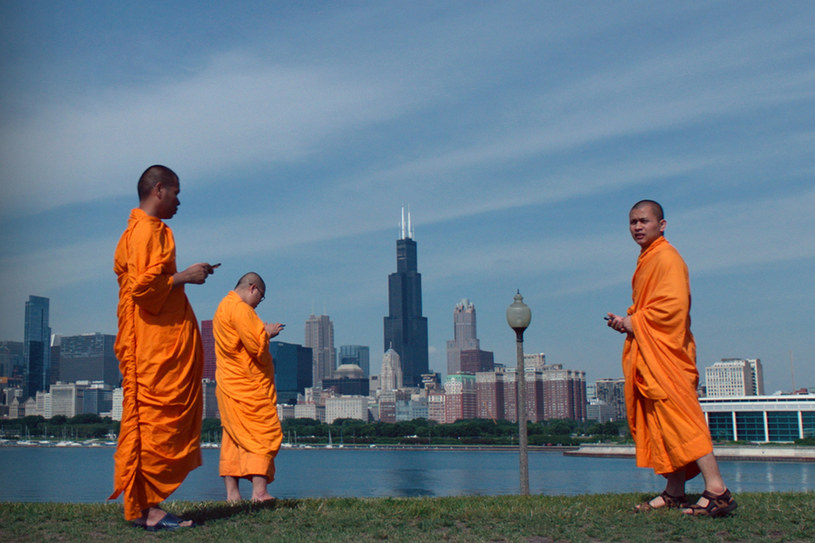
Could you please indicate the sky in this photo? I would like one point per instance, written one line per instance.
(519, 134)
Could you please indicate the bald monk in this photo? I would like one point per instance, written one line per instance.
(160, 357)
(659, 364)
(246, 393)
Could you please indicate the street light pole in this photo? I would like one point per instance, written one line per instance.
(518, 318)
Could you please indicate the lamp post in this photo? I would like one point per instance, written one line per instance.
(518, 318)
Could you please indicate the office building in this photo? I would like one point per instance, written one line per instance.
(346, 407)
(391, 377)
(734, 377)
(612, 393)
(348, 380)
(293, 365)
(12, 362)
(405, 328)
(208, 342)
(208, 392)
(460, 401)
(489, 394)
(67, 399)
(98, 398)
(320, 339)
(88, 357)
(37, 345)
(564, 393)
(356, 354)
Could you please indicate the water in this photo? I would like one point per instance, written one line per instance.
(46, 474)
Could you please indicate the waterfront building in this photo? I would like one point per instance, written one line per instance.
(97, 398)
(489, 394)
(405, 329)
(67, 399)
(309, 411)
(734, 377)
(612, 393)
(118, 399)
(37, 345)
(564, 392)
(285, 411)
(763, 419)
(430, 381)
(436, 410)
(44, 407)
(320, 339)
(391, 377)
(536, 361)
(356, 354)
(208, 342)
(208, 391)
(599, 410)
(293, 365)
(535, 396)
(346, 407)
(88, 357)
(460, 401)
(54, 372)
(411, 409)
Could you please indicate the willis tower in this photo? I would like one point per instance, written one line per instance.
(405, 327)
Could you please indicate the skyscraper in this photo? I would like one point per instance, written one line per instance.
(392, 376)
(208, 342)
(405, 327)
(36, 345)
(320, 338)
(356, 354)
(89, 357)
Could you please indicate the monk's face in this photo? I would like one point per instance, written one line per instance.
(644, 226)
(168, 202)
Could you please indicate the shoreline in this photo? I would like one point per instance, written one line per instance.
(773, 453)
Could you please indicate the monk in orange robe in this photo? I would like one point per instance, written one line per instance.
(659, 364)
(247, 399)
(160, 357)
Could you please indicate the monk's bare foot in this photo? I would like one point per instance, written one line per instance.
(233, 498)
(265, 497)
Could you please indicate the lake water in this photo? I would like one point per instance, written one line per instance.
(50, 474)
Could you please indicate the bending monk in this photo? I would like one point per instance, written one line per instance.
(659, 364)
(247, 398)
(160, 356)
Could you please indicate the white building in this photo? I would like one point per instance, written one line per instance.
(346, 407)
(734, 377)
(118, 399)
(391, 376)
(782, 418)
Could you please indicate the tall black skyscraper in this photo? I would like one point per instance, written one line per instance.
(36, 345)
(405, 327)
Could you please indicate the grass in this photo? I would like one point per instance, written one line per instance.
(765, 517)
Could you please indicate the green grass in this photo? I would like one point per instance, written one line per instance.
(536, 519)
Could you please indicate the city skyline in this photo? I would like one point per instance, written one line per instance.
(519, 134)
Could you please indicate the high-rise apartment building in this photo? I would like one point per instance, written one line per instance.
(405, 327)
(734, 377)
(88, 357)
(36, 345)
(564, 392)
(320, 339)
(460, 401)
(391, 377)
(356, 354)
(464, 352)
(489, 394)
(208, 342)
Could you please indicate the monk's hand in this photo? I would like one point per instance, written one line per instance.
(620, 324)
(195, 274)
(274, 328)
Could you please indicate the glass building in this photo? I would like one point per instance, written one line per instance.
(760, 419)
(292, 370)
(36, 345)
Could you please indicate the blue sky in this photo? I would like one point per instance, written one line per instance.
(519, 133)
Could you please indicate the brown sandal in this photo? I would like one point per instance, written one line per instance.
(717, 506)
(671, 502)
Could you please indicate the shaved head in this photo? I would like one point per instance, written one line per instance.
(654, 206)
(154, 175)
(251, 278)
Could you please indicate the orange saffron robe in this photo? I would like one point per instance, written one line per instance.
(162, 361)
(659, 365)
(247, 398)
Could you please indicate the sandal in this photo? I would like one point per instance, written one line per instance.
(717, 506)
(671, 502)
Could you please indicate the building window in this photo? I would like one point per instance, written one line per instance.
(750, 426)
(782, 425)
(721, 426)
(809, 423)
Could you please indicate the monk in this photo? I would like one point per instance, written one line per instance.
(659, 365)
(247, 398)
(160, 356)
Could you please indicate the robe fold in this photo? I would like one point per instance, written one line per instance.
(161, 359)
(247, 398)
(659, 365)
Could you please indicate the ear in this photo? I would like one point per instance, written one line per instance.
(662, 225)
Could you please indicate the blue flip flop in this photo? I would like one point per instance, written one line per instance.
(169, 522)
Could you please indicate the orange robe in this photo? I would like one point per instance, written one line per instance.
(161, 360)
(659, 364)
(247, 398)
